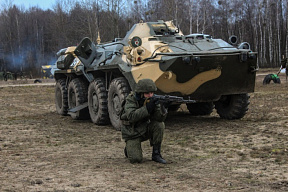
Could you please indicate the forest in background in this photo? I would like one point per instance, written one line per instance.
(30, 37)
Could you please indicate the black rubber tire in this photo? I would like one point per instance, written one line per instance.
(232, 106)
(118, 91)
(202, 108)
(97, 102)
(77, 95)
(174, 107)
(268, 78)
(37, 81)
(61, 97)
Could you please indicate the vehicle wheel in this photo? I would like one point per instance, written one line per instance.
(97, 102)
(202, 108)
(61, 97)
(174, 107)
(37, 81)
(232, 106)
(271, 77)
(118, 90)
(77, 95)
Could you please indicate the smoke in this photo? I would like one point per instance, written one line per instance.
(51, 60)
(28, 60)
(14, 62)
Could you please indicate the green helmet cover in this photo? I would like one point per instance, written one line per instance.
(145, 85)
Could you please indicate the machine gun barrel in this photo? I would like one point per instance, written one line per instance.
(172, 99)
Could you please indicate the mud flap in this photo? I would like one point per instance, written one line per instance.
(78, 108)
(86, 51)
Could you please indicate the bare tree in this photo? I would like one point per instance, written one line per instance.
(34, 35)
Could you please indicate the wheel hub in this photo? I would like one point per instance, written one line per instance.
(116, 104)
(95, 102)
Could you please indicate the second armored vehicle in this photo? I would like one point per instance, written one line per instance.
(93, 80)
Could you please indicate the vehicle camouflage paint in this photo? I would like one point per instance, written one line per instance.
(93, 80)
(48, 71)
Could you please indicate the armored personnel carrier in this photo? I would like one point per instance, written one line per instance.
(94, 79)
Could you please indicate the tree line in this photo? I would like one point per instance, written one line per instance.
(30, 37)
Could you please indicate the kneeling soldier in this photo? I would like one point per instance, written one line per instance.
(143, 119)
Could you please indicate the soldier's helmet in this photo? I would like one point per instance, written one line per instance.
(145, 86)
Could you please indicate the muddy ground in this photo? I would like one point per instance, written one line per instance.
(42, 151)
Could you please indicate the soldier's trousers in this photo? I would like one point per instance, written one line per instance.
(155, 132)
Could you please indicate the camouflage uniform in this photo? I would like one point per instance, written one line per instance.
(141, 124)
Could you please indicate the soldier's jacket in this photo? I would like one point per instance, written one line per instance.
(136, 118)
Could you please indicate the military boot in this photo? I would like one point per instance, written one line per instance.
(156, 154)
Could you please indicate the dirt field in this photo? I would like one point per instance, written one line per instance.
(42, 151)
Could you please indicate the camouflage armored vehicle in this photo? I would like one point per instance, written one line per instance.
(93, 80)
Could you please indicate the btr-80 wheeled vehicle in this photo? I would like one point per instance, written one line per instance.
(93, 80)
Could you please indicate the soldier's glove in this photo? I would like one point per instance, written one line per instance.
(151, 104)
(163, 109)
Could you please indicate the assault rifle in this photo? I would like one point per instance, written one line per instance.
(166, 100)
(171, 99)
